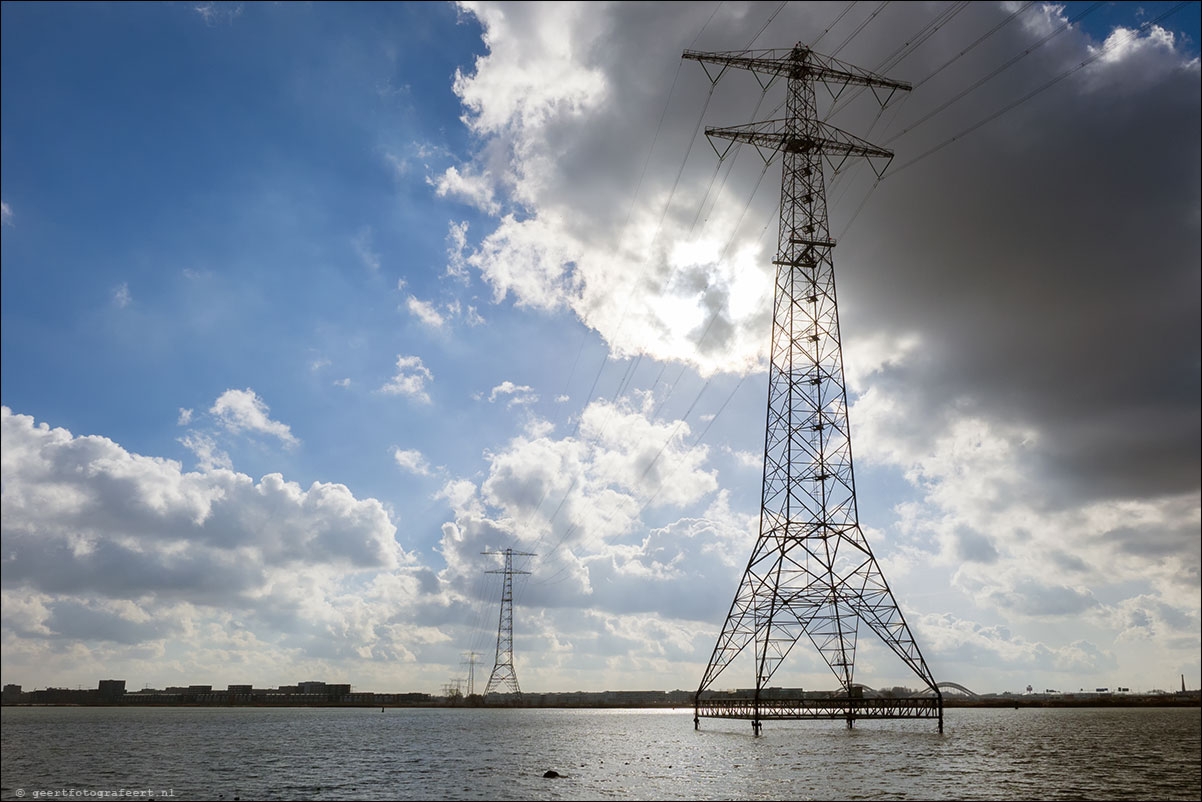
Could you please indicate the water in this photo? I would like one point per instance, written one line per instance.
(331, 753)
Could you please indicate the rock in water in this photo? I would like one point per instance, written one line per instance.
(551, 774)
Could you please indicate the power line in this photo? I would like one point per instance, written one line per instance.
(663, 215)
(692, 445)
(856, 32)
(998, 71)
(917, 40)
(623, 385)
(675, 184)
(693, 404)
(839, 18)
(843, 44)
(629, 372)
(625, 305)
(905, 49)
(922, 35)
(1010, 106)
(760, 32)
(938, 21)
(642, 177)
(899, 54)
(1014, 15)
(1010, 18)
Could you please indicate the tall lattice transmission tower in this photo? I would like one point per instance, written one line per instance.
(503, 673)
(812, 573)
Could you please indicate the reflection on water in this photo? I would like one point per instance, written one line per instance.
(316, 753)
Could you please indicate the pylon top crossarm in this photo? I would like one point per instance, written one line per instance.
(509, 554)
(798, 59)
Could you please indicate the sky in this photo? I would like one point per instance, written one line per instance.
(306, 306)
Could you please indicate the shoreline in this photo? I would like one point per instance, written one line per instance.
(947, 704)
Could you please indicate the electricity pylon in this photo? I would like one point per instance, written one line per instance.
(812, 572)
(503, 672)
(470, 659)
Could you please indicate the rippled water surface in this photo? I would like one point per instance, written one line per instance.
(316, 753)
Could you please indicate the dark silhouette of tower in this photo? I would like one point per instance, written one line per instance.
(503, 673)
(812, 573)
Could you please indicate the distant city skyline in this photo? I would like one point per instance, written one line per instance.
(112, 688)
(305, 306)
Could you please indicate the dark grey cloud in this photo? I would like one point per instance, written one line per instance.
(1050, 263)
(1156, 542)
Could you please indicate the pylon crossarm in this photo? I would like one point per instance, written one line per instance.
(814, 66)
(779, 135)
(829, 69)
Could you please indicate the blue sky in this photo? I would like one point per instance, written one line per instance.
(422, 263)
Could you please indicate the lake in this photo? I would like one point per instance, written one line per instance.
(409, 753)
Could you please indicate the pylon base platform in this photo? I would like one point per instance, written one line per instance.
(840, 708)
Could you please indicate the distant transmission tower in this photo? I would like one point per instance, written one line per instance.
(503, 672)
(470, 659)
(811, 572)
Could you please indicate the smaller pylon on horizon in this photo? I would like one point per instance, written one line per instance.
(470, 659)
(503, 672)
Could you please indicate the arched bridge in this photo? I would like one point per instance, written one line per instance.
(943, 686)
(946, 686)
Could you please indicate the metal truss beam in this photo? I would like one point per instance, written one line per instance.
(797, 62)
(837, 708)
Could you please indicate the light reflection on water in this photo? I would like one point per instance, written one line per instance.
(331, 753)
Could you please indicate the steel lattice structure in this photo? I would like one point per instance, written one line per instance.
(812, 573)
(503, 673)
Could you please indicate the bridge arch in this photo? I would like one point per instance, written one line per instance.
(953, 686)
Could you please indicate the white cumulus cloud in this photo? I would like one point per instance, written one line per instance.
(517, 394)
(410, 379)
(412, 461)
(244, 411)
(115, 555)
(425, 312)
